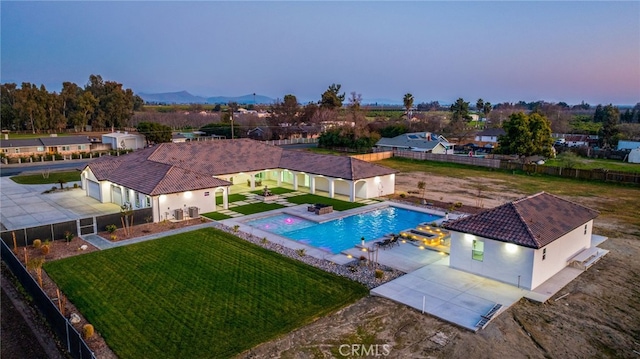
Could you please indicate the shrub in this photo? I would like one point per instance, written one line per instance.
(264, 240)
(457, 205)
(301, 252)
(87, 331)
(236, 228)
(402, 195)
(68, 236)
(379, 274)
(363, 258)
(114, 237)
(111, 228)
(37, 243)
(75, 185)
(45, 248)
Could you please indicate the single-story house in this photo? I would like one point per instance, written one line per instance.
(175, 176)
(64, 145)
(524, 242)
(488, 136)
(417, 141)
(178, 138)
(576, 140)
(124, 140)
(628, 145)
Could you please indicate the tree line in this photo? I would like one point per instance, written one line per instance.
(99, 104)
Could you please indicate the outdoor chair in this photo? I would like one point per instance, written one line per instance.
(384, 243)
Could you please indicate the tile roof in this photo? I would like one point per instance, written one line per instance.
(533, 221)
(422, 140)
(497, 131)
(45, 141)
(178, 167)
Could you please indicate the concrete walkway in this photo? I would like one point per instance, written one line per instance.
(102, 243)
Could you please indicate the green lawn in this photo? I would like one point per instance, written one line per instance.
(337, 204)
(235, 197)
(216, 216)
(54, 177)
(256, 208)
(591, 163)
(201, 294)
(275, 190)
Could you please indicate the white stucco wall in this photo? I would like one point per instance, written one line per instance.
(204, 199)
(502, 261)
(559, 252)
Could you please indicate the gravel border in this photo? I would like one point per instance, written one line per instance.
(364, 274)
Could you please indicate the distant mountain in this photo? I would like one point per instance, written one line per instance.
(246, 99)
(184, 97)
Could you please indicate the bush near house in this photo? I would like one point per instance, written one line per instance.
(201, 294)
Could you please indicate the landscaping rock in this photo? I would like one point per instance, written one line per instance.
(74, 318)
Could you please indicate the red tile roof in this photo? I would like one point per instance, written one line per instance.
(179, 167)
(533, 221)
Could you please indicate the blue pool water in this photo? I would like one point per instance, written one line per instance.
(340, 234)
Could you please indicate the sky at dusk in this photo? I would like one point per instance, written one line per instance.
(499, 51)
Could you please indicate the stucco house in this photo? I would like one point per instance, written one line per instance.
(417, 141)
(525, 242)
(64, 145)
(174, 176)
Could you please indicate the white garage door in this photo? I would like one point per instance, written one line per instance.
(94, 189)
(116, 195)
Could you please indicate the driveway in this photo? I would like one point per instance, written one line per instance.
(26, 206)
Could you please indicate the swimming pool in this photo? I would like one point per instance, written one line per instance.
(340, 234)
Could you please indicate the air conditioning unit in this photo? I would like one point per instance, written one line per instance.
(178, 214)
(193, 212)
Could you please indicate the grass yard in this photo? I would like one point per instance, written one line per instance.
(234, 197)
(201, 294)
(275, 190)
(216, 216)
(337, 204)
(598, 163)
(256, 208)
(54, 177)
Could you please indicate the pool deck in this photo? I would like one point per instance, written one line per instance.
(429, 285)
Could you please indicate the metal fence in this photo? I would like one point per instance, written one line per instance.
(66, 333)
(292, 141)
(83, 226)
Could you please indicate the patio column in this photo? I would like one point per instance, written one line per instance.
(295, 181)
(252, 180)
(331, 187)
(225, 198)
(352, 191)
(312, 184)
(279, 179)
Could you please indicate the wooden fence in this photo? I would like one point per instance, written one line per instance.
(465, 160)
(371, 157)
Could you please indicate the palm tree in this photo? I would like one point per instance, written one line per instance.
(408, 102)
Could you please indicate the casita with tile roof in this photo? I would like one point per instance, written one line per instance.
(524, 242)
(176, 176)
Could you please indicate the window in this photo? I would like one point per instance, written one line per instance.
(81, 147)
(148, 200)
(5, 150)
(477, 252)
(585, 229)
(66, 148)
(127, 195)
(40, 148)
(17, 150)
(544, 254)
(137, 197)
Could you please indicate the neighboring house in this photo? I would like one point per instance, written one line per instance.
(576, 140)
(417, 141)
(524, 242)
(124, 140)
(628, 145)
(259, 133)
(488, 136)
(178, 138)
(175, 176)
(64, 145)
